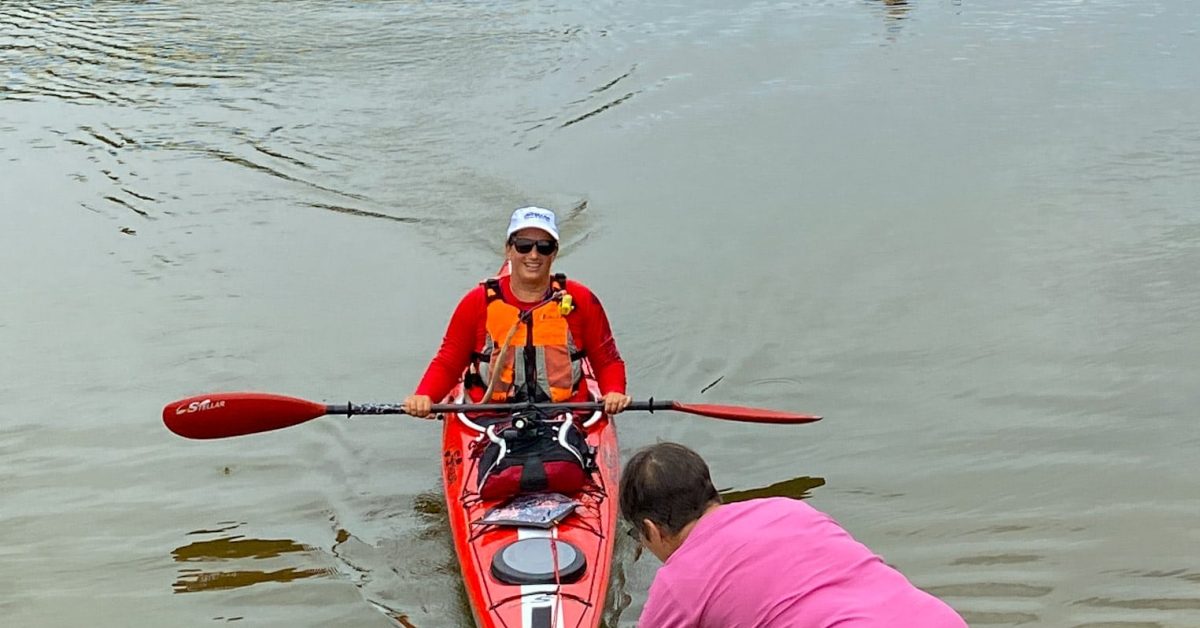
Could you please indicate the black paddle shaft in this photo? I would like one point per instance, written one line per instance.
(351, 409)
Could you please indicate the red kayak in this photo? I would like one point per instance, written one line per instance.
(535, 572)
(532, 576)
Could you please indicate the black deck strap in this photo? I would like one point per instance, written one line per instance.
(541, 617)
(650, 403)
(533, 476)
(579, 355)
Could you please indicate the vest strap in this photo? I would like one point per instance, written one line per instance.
(491, 289)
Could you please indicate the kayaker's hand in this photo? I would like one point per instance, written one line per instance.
(418, 406)
(615, 402)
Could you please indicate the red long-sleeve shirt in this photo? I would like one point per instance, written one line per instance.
(466, 333)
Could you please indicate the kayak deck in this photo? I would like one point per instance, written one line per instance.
(588, 530)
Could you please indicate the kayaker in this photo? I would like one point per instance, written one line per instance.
(490, 331)
(772, 562)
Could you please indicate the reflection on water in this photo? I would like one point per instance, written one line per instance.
(796, 488)
(894, 13)
(895, 9)
(195, 580)
(235, 548)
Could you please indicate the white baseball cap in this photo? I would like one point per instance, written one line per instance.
(533, 217)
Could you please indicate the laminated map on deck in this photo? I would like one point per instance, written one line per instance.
(538, 510)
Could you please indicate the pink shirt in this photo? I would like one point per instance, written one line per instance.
(780, 562)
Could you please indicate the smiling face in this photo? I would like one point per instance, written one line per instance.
(531, 267)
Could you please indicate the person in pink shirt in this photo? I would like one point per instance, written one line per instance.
(762, 563)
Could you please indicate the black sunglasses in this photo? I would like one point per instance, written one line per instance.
(525, 245)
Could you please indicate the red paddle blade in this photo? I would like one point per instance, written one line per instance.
(221, 415)
(742, 413)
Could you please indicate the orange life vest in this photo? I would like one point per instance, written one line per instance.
(541, 362)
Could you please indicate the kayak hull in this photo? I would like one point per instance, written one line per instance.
(589, 529)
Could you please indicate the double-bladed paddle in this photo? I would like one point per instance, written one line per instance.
(221, 415)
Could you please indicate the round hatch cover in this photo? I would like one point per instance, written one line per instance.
(531, 561)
